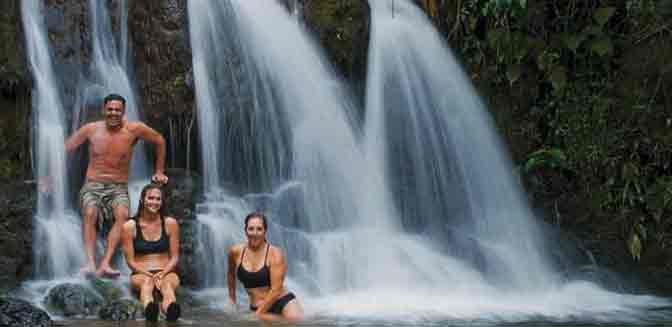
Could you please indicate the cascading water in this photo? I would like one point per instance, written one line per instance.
(450, 177)
(426, 128)
(277, 130)
(287, 142)
(57, 249)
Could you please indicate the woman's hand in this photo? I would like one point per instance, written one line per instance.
(157, 278)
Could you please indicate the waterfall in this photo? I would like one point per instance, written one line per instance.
(57, 249)
(451, 178)
(414, 217)
(277, 134)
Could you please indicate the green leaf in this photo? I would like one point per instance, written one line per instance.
(558, 77)
(553, 158)
(602, 46)
(602, 15)
(635, 245)
(573, 41)
(513, 73)
(494, 37)
(630, 172)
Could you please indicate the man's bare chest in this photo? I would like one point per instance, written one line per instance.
(108, 144)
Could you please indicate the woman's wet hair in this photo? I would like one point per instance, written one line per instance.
(143, 193)
(257, 214)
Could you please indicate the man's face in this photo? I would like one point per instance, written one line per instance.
(114, 113)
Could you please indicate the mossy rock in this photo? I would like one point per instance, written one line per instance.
(73, 300)
(119, 310)
(109, 290)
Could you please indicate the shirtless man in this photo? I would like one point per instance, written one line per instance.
(111, 144)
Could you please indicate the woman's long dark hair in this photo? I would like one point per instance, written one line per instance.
(141, 204)
(255, 214)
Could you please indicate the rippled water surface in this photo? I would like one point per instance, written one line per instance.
(207, 317)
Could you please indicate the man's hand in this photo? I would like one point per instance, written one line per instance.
(160, 178)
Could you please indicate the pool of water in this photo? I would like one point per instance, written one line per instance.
(211, 317)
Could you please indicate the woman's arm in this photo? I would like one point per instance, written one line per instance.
(173, 230)
(231, 275)
(127, 245)
(278, 269)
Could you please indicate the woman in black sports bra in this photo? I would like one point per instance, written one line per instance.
(261, 268)
(151, 244)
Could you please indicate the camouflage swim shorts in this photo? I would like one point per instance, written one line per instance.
(105, 196)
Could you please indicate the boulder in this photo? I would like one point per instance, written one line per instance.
(73, 300)
(118, 310)
(19, 313)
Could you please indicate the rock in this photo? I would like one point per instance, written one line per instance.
(107, 289)
(19, 313)
(181, 194)
(125, 309)
(73, 300)
(16, 239)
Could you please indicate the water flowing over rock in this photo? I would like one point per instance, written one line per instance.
(20, 313)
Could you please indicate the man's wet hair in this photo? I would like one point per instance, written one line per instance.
(113, 97)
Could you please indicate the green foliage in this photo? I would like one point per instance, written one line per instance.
(552, 158)
(583, 82)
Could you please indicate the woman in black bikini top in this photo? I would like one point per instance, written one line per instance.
(151, 245)
(261, 268)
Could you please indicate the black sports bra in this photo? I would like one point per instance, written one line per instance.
(142, 246)
(254, 279)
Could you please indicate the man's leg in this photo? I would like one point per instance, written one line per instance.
(120, 217)
(90, 214)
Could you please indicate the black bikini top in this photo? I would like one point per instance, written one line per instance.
(142, 246)
(254, 279)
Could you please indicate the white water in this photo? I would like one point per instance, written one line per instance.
(462, 246)
(427, 125)
(427, 129)
(57, 249)
(270, 98)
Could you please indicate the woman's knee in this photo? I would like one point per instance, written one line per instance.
(293, 312)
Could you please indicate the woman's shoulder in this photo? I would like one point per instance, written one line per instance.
(236, 248)
(129, 227)
(170, 220)
(275, 252)
(130, 223)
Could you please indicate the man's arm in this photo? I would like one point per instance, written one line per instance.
(79, 137)
(150, 135)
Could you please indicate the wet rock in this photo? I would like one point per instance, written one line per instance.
(181, 194)
(187, 299)
(16, 239)
(19, 313)
(73, 300)
(109, 290)
(125, 309)
(343, 30)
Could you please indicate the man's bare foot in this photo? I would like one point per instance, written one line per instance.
(88, 270)
(106, 271)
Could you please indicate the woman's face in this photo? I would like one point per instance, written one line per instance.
(255, 231)
(153, 200)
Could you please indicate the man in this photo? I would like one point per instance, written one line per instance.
(111, 144)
